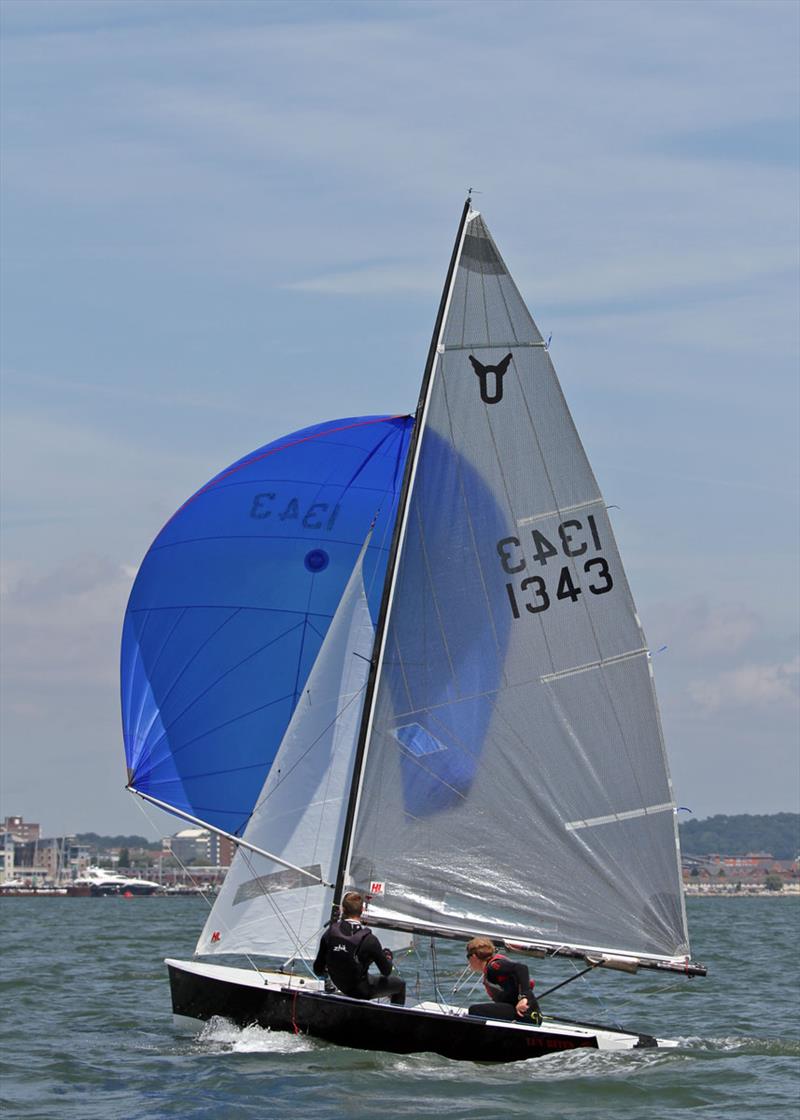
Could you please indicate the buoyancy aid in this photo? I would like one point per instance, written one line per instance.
(507, 988)
(344, 967)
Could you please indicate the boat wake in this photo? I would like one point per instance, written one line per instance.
(592, 1064)
(555, 1067)
(221, 1036)
(732, 1044)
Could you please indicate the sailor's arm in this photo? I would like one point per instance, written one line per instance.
(319, 964)
(375, 954)
(523, 978)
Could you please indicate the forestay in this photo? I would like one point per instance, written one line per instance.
(515, 780)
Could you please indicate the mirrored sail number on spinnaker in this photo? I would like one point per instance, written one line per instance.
(536, 593)
(314, 515)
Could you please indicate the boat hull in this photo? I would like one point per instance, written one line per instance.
(300, 1006)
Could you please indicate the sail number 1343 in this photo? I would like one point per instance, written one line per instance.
(534, 593)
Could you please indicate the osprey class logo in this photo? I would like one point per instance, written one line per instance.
(483, 376)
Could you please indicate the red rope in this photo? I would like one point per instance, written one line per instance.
(294, 1014)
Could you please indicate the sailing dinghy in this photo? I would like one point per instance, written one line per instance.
(399, 654)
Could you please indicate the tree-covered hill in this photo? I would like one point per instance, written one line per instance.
(777, 833)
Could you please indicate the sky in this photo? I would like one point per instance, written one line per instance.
(222, 222)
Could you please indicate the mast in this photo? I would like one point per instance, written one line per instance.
(391, 566)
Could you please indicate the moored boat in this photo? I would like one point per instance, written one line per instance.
(97, 882)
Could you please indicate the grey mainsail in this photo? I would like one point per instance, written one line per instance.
(514, 780)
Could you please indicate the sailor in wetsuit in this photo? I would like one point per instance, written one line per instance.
(506, 981)
(347, 949)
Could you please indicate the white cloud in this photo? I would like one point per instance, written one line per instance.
(643, 279)
(194, 397)
(661, 270)
(377, 280)
(749, 686)
(63, 627)
(702, 629)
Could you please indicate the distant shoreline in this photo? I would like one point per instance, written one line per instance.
(716, 893)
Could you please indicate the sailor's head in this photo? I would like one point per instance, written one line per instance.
(479, 951)
(352, 904)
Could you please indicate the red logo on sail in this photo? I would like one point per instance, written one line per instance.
(215, 935)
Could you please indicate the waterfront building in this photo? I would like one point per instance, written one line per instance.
(6, 856)
(52, 859)
(21, 830)
(198, 845)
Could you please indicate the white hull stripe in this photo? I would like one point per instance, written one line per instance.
(573, 826)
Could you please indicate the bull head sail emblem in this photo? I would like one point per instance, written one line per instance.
(483, 376)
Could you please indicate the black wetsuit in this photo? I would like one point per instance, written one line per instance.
(506, 981)
(346, 950)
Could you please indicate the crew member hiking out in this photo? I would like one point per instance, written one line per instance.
(507, 982)
(347, 949)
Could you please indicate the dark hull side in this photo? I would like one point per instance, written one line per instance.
(362, 1025)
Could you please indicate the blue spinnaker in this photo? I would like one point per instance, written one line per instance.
(233, 600)
(442, 682)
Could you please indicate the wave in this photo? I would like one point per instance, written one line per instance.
(223, 1036)
(733, 1044)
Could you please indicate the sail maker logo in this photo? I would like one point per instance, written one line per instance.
(483, 376)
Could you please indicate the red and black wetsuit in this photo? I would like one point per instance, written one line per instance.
(506, 981)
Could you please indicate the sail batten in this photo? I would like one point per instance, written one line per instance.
(493, 345)
(572, 670)
(612, 818)
(523, 521)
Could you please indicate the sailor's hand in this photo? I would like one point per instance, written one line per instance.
(522, 1006)
(388, 954)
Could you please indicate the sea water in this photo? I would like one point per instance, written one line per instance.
(87, 1030)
